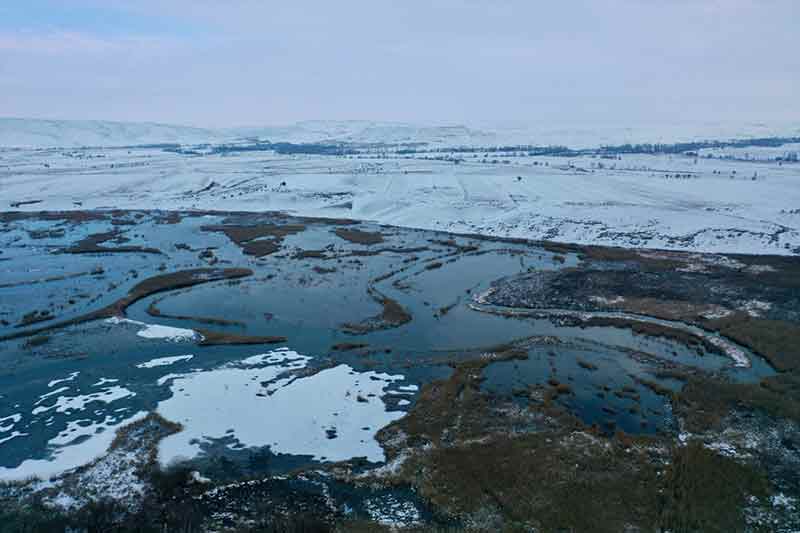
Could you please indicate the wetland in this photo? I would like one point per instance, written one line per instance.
(231, 371)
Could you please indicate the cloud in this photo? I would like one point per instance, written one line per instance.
(251, 62)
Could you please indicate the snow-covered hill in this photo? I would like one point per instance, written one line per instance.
(573, 135)
(30, 133)
(364, 131)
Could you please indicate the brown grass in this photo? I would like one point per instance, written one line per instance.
(704, 403)
(393, 315)
(216, 338)
(348, 346)
(253, 239)
(91, 244)
(705, 491)
(359, 237)
(776, 340)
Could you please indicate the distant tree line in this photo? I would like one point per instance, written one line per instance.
(265, 146)
(611, 151)
(641, 148)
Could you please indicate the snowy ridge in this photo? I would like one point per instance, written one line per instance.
(360, 131)
(34, 133)
(573, 135)
(38, 133)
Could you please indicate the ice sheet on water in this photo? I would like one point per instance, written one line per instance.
(164, 361)
(322, 415)
(155, 331)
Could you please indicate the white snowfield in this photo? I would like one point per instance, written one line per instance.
(38, 133)
(671, 202)
(32, 133)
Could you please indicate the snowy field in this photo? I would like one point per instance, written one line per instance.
(741, 200)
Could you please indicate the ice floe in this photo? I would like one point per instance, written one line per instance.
(13, 435)
(104, 381)
(64, 453)
(164, 361)
(66, 404)
(16, 417)
(155, 331)
(55, 382)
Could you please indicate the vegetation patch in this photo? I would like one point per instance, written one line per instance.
(348, 346)
(257, 240)
(704, 403)
(357, 236)
(92, 244)
(216, 338)
(776, 340)
(393, 315)
(705, 491)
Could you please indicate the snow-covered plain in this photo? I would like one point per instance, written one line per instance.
(659, 201)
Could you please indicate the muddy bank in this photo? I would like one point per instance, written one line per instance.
(218, 338)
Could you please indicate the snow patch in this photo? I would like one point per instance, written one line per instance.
(55, 382)
(164, 361)
(322, 415)
(67, 454)
(67, 404)
(154, 331)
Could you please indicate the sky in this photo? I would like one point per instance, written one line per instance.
(249, 63)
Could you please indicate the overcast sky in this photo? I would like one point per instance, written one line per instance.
(248, 62)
